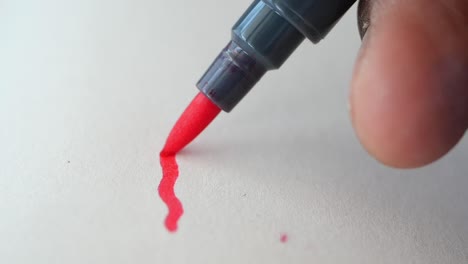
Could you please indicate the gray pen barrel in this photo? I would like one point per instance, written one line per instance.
(313, 18)
(262, 39)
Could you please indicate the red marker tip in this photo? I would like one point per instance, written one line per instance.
(198, 115)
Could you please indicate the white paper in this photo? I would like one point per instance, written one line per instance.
(88, 93)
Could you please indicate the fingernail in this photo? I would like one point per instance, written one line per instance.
(363, 17)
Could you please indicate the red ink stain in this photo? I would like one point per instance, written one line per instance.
(191, 123)
(284, 238)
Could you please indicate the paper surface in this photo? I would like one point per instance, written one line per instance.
(88, 93)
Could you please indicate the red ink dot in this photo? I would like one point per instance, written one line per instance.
(284, 238)
(191, 123)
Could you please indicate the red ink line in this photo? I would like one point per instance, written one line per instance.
(191, 123)
(166, 191)
(284, 238)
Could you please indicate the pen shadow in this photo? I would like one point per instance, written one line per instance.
(333, 148)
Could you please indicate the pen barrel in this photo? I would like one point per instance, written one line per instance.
(262, 39)
(266, 35)
(313, 18)
(230, 77)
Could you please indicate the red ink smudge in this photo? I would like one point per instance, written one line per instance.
(191, 123)
(284, 238)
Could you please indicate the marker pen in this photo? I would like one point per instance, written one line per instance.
(263, 38)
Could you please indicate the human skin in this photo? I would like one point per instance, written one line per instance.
(409, 94)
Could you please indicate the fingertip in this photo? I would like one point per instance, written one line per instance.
(409, 96)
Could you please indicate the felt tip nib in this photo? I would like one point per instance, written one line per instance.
(198, 115)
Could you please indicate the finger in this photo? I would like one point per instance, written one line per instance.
(409, 97)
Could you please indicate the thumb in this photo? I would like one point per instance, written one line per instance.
(409, 97)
